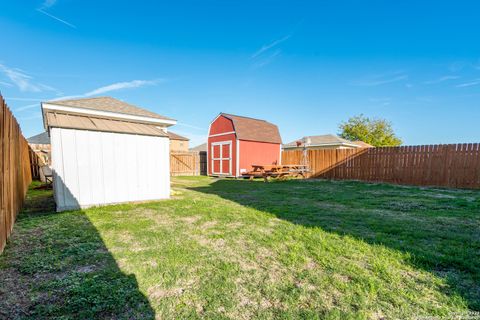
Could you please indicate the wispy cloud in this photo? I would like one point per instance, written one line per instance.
(377, 80)
(270, 45)
(182, 124)
(121, 86)
(442, 79)
(28, 106)
(474, 82)
(6, 84)
(266, 60)
(268, 52)
(23, 99)
(23, 81)
(57, 18)
(112, 87)
(36, 115)
(48, 4)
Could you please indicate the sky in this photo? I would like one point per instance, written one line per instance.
(303, 65)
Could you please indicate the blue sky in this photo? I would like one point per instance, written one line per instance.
(303, 65)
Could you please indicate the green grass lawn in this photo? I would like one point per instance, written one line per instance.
(230, 249)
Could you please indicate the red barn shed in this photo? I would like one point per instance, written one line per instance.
(235, 143)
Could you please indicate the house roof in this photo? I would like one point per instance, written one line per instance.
(108, 104)
(174, 136)
(41, 138)
(254, 129)
(68, 121)
(362, 144)
(199, 148)
(321, 140)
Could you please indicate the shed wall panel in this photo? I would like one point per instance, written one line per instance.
(95, 168)
(252, 152)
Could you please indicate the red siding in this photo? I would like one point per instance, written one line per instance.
(252, 152)
(221, 125)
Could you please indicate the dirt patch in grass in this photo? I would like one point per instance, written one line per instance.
(14, 294)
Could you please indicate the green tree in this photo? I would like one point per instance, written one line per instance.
(377, 132)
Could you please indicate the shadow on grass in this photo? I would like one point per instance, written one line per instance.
(56, 265)
(438, 229)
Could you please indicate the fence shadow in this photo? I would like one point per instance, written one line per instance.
(380, 215)
(56, 265)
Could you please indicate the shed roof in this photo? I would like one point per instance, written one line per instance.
(41, 138)
(325, 139)
(254, 129)
(174, 136)
(59, 120)
(108, 104)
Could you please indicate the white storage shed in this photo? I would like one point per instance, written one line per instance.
(106, 151)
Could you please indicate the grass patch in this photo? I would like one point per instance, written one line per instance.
(240, 250)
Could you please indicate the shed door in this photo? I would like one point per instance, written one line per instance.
(222, 158)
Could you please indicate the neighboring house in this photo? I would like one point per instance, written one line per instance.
(177, 142)
(236, 142)
(106, 151)
(40, 144)
(326, 141)
(200, 148)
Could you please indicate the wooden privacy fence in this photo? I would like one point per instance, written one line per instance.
(451, 165)
(15, 171)
(185, 164)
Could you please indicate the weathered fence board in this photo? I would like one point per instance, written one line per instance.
(184, 164)
(15, 171)
(452, 165)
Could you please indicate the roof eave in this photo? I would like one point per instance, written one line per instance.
(48, 106)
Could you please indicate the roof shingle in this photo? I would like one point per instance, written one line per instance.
(108, 104)
(41, 138)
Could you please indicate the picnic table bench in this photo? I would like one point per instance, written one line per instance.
(276, 171)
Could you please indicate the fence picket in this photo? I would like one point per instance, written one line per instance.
(15, 171)
(453, 165)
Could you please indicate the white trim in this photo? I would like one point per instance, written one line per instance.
(237, 160)
(221, 159)
(221, 134)
(47, 106)
(280, 157)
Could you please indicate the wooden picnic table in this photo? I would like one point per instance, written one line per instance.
(279, 171)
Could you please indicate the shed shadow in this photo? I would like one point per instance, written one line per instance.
(440, 235)
(56, 265)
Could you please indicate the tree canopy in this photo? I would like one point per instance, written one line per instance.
(377, 132)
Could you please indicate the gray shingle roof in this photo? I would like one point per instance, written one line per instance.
(108, 104)
(326, 139)
(201, 147)
(41, 138)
